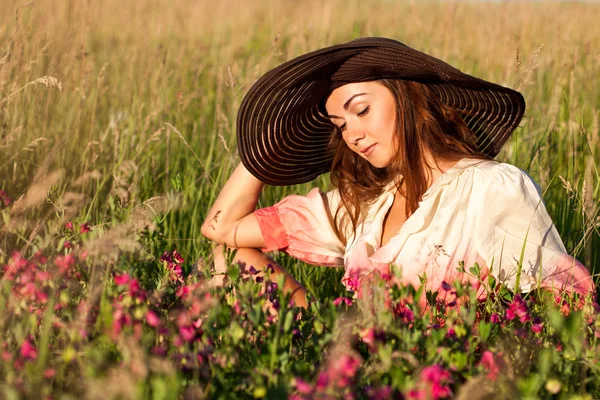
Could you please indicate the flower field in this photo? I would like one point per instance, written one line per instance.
(117, 130)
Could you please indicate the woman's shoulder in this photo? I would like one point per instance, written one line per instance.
(503, 179)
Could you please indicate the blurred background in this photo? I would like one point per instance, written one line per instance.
(108, 106)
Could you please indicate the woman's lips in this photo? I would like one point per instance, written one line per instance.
(368, 150)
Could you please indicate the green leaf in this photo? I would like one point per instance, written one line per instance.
(484, 330)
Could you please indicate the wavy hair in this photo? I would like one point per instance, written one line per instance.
(424, 125)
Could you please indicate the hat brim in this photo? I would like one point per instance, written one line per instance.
(283, 132)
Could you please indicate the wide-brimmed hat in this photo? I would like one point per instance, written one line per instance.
(283, 130)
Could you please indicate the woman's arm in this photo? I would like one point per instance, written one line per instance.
(230, 220)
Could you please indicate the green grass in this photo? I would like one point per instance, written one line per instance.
(142, 131)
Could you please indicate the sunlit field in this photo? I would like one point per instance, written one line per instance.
(117, 131)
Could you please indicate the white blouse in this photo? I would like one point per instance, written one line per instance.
(478, 211)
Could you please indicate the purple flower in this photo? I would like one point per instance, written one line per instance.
(252, 270)
(446, 286)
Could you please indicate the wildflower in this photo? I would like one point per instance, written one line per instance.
(416, 394)
(537, 325)
(270, 269)
(302, 386)
(49, 373)
(368, 337)
(382, 393)
(437, 379)
(182, 291)
(4, 198)
(64, 263)
(322, 380)
(68, 244)
(69, 225)
(28, 351)
(84, 228)
(259, 279)
(187, 333)
(341, 300)
(252, 270)
(495, 318)
(492, 363)
(446, 286)
(275, 304)
(518, 308)
(122, 279)
(352, 283)
(152, 319)
(403, 312)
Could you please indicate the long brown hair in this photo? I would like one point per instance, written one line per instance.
(423, 125)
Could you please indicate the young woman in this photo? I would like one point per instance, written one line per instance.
(409, 142)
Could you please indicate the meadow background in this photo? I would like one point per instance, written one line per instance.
(117, 130)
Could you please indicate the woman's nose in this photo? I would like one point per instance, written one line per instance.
(354, 135)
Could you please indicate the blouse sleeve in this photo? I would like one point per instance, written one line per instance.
(302, 227)
(514, 229)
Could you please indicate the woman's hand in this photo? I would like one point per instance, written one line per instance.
(230, 220)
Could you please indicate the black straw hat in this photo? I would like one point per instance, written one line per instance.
(283, 130)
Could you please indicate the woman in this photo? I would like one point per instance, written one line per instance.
(409, 142)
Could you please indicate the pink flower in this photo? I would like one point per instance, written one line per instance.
(64, 263)
(437, 379)
(69, 225)
(85, 228)
(341, 300)
(182, 291)
(352, 283)
(49, 373)
(67, 244)
(28, 351)
(416, 394)
(518, 308)
(537, 325)
(495, 318)
(382, 393)
(322, 381)
(4, 198)
(122, 279)
(492, 363)
(368, 337)
(404, 313)
(187, 333)
(152, 319)
(302, 386)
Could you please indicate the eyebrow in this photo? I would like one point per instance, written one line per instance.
(347, 103)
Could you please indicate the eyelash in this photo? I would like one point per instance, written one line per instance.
(360, 114)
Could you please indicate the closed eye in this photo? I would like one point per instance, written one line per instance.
(362, 113)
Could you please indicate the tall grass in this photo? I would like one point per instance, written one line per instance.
(139, 79)
(123, 113)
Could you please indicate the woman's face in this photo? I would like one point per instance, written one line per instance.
(365, 112)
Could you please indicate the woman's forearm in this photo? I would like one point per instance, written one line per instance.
(237, 199)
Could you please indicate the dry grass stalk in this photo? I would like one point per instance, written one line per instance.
(48, 81)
